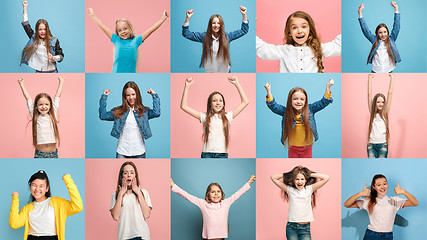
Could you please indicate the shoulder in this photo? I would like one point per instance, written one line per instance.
(57, 200)
(144, 191)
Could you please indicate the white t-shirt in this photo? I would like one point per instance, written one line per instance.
(42, 219)
(131, 142)
(132, 223)
(379, 130)
(383, 214)
(45, 131)
(216, 141)
(300, 209)
(216, 64)
(381, 63)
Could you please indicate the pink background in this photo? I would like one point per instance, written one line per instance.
(407, 113)
(154, 53)
(272, 210)
(271, 22)
(101, 182)
(17, 129)
(186, 131)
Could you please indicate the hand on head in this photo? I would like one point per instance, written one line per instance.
(107, 92)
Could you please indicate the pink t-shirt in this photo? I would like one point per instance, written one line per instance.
(215, 215)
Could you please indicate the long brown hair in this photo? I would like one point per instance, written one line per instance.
(383, 113)
(209, 189)
(223, 42)
(374, 193)
(30, 50)
(139, 107)
(120, 178)
(289, 180)
(386, 42)
(313, 40)
(210, 113)
(36, 115)
(290, 116)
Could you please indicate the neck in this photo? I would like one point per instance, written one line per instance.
(41, 199)
(216, 34)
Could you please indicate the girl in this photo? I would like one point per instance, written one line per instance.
(44, 217)
(216, 122)
(216, 53)
(295, 116)
(214, 208)
(302, 51)
(379, 107)
(384, 54)
(42, 51)
(44, 120)
(130, 205)
(299, 187)
(125, 41)
(381, 208)
(131, 131)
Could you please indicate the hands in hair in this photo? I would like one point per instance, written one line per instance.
(15, 194)
(151, 92)
(365, 192)
(251, 179)
(107, 92)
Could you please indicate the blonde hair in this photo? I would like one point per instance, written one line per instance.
(123, 20)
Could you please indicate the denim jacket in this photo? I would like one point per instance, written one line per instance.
(313, 108)
(54, 45)
(119, 123)
(200, 37)
(392, 37)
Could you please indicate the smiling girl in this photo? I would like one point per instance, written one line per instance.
(216, 122)
(131, 124)
(125, 41)
(44, 217)
(42, 51)
(381, 208)
(299, 187)
(214, 208)
(302, 51)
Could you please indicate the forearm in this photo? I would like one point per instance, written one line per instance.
(16, 219)
(76, 203)
(25, 92)
(243, 98)
(145, 209)
(184, 98)
(352, 200)
(412, 200)
(59, 90)
(320, 176)
(104, 28)
(244, 18)
(117, 209)
(153, 28)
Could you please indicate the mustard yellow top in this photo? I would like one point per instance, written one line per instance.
(297, 136)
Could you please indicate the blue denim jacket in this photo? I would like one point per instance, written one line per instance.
(392, 37)
(313, 108)
(119, 123)
(200, 37)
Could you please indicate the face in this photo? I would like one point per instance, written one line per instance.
(130, 96)
(383, 33)
(43, 106)
(123, 30)
(300, 181)
(215, 194)
(381, 186)
(128, 174)
(299, 30)
(42, 31)
(380, 103)
(38, 189)
(217, 103)
(298, 101)
(216, 26)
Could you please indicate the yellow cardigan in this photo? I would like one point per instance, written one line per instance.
(63, 208)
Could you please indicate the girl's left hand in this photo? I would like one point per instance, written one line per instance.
(391, 75)
(151, 91)
(331, 82)
(394, 4)
(165, 14)
(50, 57)
(135, 187)
(251, 179)
(61, 78)
(398, 190)
(242, 10)
(233, 80)
(66, 175)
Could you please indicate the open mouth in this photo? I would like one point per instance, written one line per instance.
(300, 37)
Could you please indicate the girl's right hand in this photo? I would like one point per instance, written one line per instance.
(172, 183)
(123, 188)
(15, 194)
(267, 87)
(330, 83)
(151, 92)
(21, 81)
(107, 92)
(61, 79)
(25, 4)
(365, 192)
(190, 13)
(371, 75)
(361, 7)
(90, 12)
(242, 10)
(189, 81)
(251, 179)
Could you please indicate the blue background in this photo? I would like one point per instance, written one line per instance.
(409, 42)
(17, 172)
(186, 54)
(99, 142)
(66, 22)
(194, 176)
(269, 124)
(357, 172)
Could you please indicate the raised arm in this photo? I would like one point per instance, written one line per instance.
(60, 85)
(351, 202)
(370, 77)
(145, 209)
(390, 91)
(278, 180)
(271, 103)
(24, 89)
(189, 14)
(396, 7)
(365, 29)
(396, 23)
(184, 100)
(28, 30)
(244, 29)
(193, 36)
(153, 28)
(243, 12)
(117, 209)
(325, 101)
(76, 204)
(98, 22)
(17, 219)
(103, 114)
(411, 202)
(155, 111)
(323, 180)
(230, 200)
(244, 101)
(328, 86)
(194, 200)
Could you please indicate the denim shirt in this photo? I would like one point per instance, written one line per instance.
(392, 37)
(119, 123)
(200, 37)
(313, 108)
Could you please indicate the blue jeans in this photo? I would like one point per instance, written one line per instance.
(214, 155)
(40, 154)
(118, 155)
(377, 150)
(296, 231)
(371, 235)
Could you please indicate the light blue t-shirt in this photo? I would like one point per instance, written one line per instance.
(125, 54)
